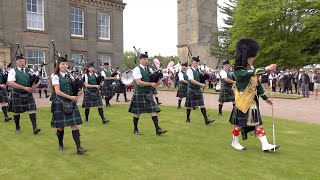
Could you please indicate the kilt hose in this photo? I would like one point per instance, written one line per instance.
(194, 98)
(4, 96)
(226, 94)
(16, 105)
(61, 119)
(182, 91)
(140, 103)
(91, 99)
(107, 90)
(120, 88)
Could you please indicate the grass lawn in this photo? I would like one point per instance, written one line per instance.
(187, 151)
(212, 91)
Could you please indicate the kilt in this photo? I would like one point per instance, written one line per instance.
(194, 98)
(154, 90)
(53, 96)
(226, 94)
(239, 118)
(4, 96)
(120, 88)
(140, 104)
(16, 106)
(60, 119)
(89, 102)
(107, 90)
(182, 91)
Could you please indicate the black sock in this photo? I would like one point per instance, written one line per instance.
(157, 99)
(17, 121)
(204, 113)
(33, 118)
(179, 103)
(106, 99)
(86, 113)
(100, 110)
(76, 137)
(220, 108)
(46, 92)
(125, 96)
(5, 111)
(188, 114)
(155, 121)
(118, 96)
(135, 123)
(60, 135)
(40, 93)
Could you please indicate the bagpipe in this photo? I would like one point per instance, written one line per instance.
(204, 76)
(5, 74)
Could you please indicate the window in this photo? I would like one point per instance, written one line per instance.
(77, 22)
(35, 17)
(104, 59)
(35, 59)
(78, 61)
(104, 26)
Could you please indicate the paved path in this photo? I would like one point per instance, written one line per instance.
(304, 109)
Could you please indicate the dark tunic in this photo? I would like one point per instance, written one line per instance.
(92, 97)
(107, 89)
(182, 90)
(142, 99)
(3, 92)
(194, 93)
(59, 118)
(20, 100)
(226, 93)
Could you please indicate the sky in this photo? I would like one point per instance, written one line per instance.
(151, 25)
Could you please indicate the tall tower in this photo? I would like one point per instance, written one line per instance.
(197, 20)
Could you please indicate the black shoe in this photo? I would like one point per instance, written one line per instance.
(47, 96)
(104, 121)
(127, 100)
(136, 132)
(220, 114)
(61, 148)
(160, 131)
(209, 121)
(18, 131)
(159, 103)
(36, 130)
(7, 119)
(117, 100)
(188, 121)
(179, 107)
(81, 150)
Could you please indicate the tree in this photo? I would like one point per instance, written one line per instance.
(129, 59)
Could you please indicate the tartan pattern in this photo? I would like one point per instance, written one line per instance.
(88, 102)
(60, 119)
(154, 90)
(120, 88)
(139, 104)
(107, 90)
(226, 94)
(182, 91)
(16, 106)
(194, 98)
(4, 96)
(239, 118)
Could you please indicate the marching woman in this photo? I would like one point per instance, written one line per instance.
(246, 115)
(120, 87)
(4, 99)
(183, 83)
(92, 98)
(65, 110)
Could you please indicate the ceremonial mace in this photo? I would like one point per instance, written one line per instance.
(273, 122)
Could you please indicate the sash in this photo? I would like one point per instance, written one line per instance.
(244, 100)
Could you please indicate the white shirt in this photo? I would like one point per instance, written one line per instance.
(55, 78)
(12, 74)
(223, 74)
(104, 74)
(190, 73)
(86, 77)
(180, 76)
(136, 72)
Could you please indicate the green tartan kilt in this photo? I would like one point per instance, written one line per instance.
(53, 96)
(140, 104)
(60, 119)
(239, 118)
(4, 96)
(182, 91)
(226, 94)
(154, 90)
(194, 98)
(120, 88)
(91, 99)
(16, 106)
(107, 90)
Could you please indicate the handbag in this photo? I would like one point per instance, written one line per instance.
(24, 98)
(67, 107)
(93, 96)
(149, 96)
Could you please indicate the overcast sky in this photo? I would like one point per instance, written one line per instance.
(152, 26)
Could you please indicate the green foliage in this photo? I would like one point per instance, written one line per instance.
(187, 151)
(288, 31)
(129, 59)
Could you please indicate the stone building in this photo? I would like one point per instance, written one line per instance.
(82, 29)
(197, 20)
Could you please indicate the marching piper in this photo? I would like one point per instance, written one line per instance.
(142, 99)
(183, 83)
(21, 98)
(246, 115)
(4, 99)
(108, 89)
(92, 98)
(194, 94)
